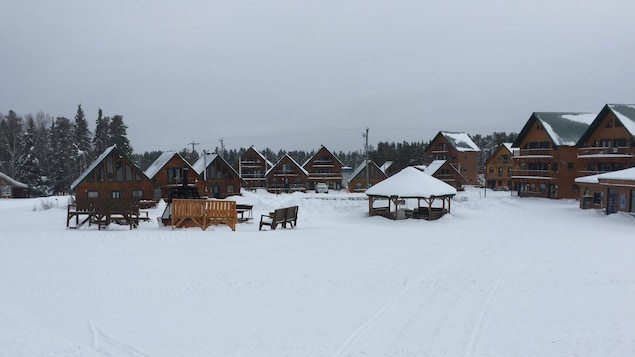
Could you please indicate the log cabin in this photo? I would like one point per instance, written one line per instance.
(10, 188)
(324, 167)
(358, 181)
(545, 154)
(171, 171)
(286, 176)
(499, 168)
(459, 150)
(220, 177)
(252, 167)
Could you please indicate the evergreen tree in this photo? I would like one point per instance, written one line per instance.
(83, 140)
(63, 156)
(11, 129)
(118, 136)
(29, 171)
(101, 139)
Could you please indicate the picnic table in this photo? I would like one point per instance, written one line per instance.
(241, 209)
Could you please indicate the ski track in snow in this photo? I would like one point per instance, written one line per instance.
(350, 341)
(479, 324)
(108, 346)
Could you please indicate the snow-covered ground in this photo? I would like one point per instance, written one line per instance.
(500, 276)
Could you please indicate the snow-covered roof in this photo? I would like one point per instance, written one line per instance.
(11, 181)
(411, 182)
(565, 129)
(92, 166)
(386, 166)
(508, 146)
(360, 168)
(199, 165)
(158, 164)
(626, 114)
(434, 166)
(626, 174)
(304, 171)
(460, 141)
(317, 152)
(268, 163)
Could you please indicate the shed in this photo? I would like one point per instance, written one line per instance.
(410, 184)
(10, 188)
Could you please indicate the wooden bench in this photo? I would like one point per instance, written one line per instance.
(280, 216)
(204, 213)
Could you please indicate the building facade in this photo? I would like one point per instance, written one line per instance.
(252, 167)
(286, 176)
(458, 150)
(324, 167)
(499, 168)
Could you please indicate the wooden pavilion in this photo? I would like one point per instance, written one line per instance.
(388, 198)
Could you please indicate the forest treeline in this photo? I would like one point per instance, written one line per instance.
(48, 153)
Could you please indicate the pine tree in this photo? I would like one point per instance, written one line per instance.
(82, 136)
(118, 136)
(101, 140)
(63, 155)
(29, 171)
(11, 129)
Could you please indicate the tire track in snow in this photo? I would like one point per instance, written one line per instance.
(370, 322)
(479, 323)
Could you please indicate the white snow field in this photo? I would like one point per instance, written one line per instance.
(499, 276)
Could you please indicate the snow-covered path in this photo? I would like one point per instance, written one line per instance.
(501, 276)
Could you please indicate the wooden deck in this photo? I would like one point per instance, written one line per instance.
(104, 212)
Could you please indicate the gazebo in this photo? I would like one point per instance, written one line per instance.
(410, 184)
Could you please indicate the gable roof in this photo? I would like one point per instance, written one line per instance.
(305, 172)
(387, 165)
(460, 141)
(564, 128)
(358, 170)
(200, 165)
(411, 183)
(624, 112)
(433, 167)
(267, 162)
(99, 160)
(626, 174)
(11, 181)
(318, 151)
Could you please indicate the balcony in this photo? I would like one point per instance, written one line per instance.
(605, 152)
(534, 174)
(533, 153)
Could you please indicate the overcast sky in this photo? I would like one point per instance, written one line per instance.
(295, 75)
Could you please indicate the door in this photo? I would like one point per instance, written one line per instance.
(216, 191)
(612, 201)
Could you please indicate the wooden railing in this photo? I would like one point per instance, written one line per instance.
(204, 213)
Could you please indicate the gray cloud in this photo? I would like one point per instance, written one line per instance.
(298, 74)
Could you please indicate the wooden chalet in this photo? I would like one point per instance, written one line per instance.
(545, 154)
(286, 176)
(459, 150)
(220, 177)
(358, 179)
(170, 172)
(499, 168)
(609, 142)
(446, 172)
(111, 189)
(324, 167)
(10, 188)
(252, 167)
(612, 191)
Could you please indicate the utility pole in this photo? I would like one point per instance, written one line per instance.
(366, 159)
(193, 144)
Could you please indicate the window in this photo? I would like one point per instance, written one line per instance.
(491, 169)
(93, 194)
(174, 174)
(137, 194)
(570, 166)
(230, 189)
(110, 173)
(500, 171)
(609, 123)
(128, 173)
(115, 194)
(119, 166)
